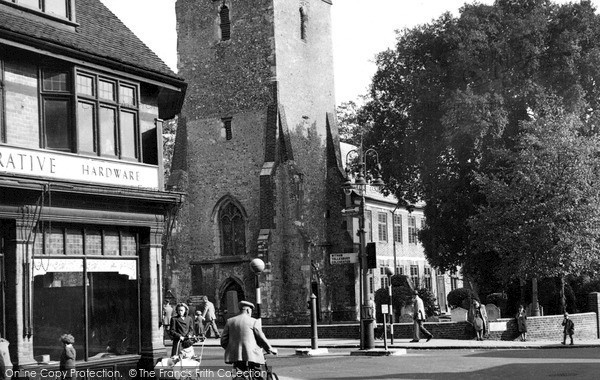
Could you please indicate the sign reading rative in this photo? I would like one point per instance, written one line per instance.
(71, 167)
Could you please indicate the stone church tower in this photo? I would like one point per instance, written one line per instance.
(257, 152)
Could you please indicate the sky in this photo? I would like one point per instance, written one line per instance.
(360, 28)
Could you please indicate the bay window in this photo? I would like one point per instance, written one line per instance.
(109, 113)
(106, 114)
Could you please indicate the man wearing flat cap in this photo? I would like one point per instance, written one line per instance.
(244, 340)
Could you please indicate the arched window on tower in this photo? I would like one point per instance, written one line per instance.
(303, 23)
(225, 23)
(233, 230)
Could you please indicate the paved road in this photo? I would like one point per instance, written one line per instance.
(548, 363)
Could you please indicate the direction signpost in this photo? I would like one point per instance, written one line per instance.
(343, 258)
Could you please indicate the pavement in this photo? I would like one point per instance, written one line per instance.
(434, 344)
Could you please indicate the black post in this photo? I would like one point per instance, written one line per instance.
(367, 322)
(314, 338)
(257, 296)
(385, 331)
(391, 310)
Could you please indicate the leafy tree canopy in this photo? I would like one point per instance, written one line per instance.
(542, 208)
(349, 130)
(455, 91)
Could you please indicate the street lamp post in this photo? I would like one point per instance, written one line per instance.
(359, 185)
(390, 272)
(257, 266)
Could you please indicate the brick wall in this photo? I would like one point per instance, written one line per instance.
(22, 114)
(539, 328)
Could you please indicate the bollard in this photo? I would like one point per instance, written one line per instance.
(314, 339)
(385, 346)
(391, 311)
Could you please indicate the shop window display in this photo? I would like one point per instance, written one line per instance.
(94, 296)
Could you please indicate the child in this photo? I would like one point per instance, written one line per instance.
(67, 358)
(198, 325)
(522, 323)
(187, 349)
(569, 329)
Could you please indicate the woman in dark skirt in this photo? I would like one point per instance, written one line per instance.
(522, 323)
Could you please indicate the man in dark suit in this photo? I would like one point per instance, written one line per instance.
(244, 340)
(568, 330)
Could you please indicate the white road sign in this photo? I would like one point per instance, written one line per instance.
(343, 258)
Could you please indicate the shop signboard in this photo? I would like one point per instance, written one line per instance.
(76, 168)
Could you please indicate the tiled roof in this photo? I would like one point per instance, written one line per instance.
(100, 33)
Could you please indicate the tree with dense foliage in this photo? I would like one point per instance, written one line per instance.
(461, 297)
(348, 126)
(455, 91)
(542, 209)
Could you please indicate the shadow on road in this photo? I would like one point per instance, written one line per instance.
(508, 371)
(560, 352)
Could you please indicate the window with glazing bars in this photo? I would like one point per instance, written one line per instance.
(414, 275)
(59, 8)
(225, 23)
(227, 128)
(398, 228)
(412, 230)
(382, 226)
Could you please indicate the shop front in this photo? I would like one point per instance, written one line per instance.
(82, 201)
(85, 261)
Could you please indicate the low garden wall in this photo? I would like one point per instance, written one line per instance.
(539, 328)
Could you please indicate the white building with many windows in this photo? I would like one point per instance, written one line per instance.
(394, 230)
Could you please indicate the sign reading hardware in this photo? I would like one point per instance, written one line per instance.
(76, 168)
(343, 258)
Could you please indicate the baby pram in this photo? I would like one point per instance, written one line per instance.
(185, 365)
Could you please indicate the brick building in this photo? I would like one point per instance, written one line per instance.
(82, 208)
(257, 152)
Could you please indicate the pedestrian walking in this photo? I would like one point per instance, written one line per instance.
(199, 325)
(479, 319)
(522, 323)
(209, 318)
(167, 313)
(371, 311)
(191, 307)
(182, 327)
(67, 358)
(244, 340)
(569, 329)
(419, 317)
